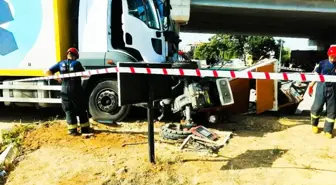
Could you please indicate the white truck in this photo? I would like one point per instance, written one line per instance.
(35, 34)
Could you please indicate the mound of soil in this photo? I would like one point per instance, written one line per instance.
(51, 156)
(55, 135)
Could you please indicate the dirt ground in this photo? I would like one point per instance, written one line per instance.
(264, 150)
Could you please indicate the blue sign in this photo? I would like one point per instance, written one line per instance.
(24, 19)
(7, 40)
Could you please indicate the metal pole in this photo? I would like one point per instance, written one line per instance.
(280, 52)
(150, 123)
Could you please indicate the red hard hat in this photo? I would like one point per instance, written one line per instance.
(73, 51)
(332, 50)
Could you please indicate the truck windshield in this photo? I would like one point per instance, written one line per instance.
(145, 10)
(153, 17)
(159, 5)
(167, 22)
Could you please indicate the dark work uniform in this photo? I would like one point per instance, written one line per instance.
(73, 102)
(325, 93)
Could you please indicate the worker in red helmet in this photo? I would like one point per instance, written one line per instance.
(325, 93)
(72, 95)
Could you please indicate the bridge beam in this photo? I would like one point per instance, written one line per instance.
(322, 45)
(319, 6)
(217, 16)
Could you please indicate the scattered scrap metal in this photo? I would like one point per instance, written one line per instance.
(197, 138)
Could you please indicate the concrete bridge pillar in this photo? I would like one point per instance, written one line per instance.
(180, 11)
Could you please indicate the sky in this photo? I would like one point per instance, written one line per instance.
(292, 43)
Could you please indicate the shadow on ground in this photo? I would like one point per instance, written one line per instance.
(259, 125)
(29, 114)
(34, 115)
(254, 159)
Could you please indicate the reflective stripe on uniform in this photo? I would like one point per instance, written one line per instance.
(314, 116)
(87, 124)
(316, 66)
(330, 120)
(72, 126)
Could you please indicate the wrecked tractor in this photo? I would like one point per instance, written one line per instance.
(230, 96)
(193, 96)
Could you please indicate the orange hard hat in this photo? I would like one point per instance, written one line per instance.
(73, 51)
(332, 50)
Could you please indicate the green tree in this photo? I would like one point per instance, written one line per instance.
(261, 46)
(285, 56)
(220, 46)
(232, 46)
(203, 51)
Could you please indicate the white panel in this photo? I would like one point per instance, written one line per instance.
(94, 37)
(82, 15)
(31, 87)
(43, 53)
(31, 100)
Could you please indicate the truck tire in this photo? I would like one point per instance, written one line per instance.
(170, 131)
(103, 103)
(170, 136)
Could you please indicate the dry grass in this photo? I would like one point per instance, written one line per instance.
(265, 150)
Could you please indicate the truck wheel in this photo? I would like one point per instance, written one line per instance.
(103, 103)
(171, 131)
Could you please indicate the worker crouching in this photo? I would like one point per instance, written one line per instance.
(72, 93)
(325, 93)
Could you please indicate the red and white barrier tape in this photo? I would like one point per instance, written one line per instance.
(305, 77)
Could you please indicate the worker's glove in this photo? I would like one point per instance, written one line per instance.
(310, 90)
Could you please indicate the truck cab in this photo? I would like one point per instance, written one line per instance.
(121, 31)
(124, 31)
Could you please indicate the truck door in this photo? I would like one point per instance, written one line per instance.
(143, 29)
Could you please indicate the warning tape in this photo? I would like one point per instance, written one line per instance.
(304, 77)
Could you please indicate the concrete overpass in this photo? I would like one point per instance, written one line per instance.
(314, 19)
